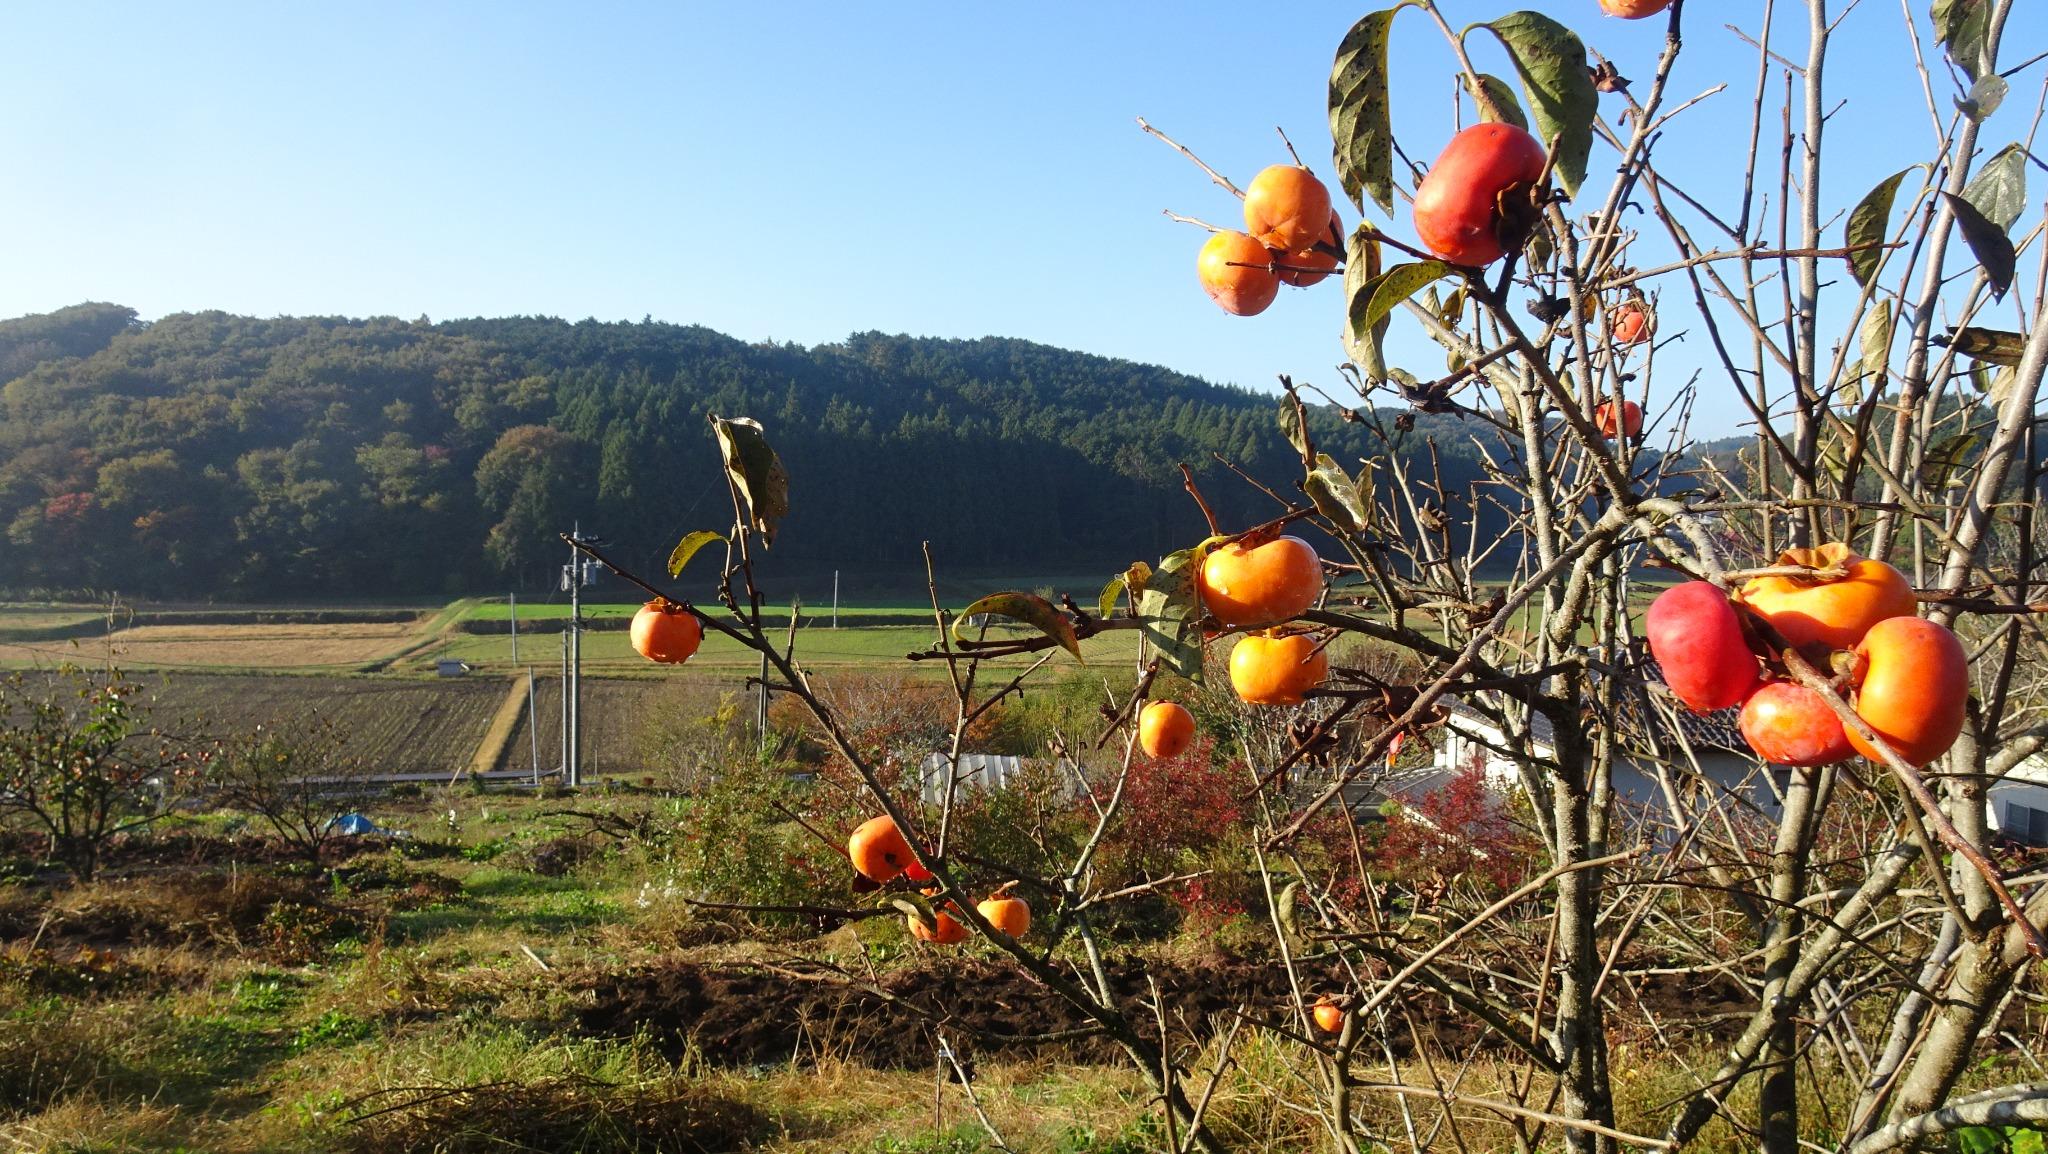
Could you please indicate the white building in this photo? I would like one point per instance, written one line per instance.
(1656, 778)
(2019, 802)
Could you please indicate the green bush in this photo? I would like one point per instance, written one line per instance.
(733, 844)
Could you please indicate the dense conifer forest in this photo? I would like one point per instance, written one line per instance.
(219, 456)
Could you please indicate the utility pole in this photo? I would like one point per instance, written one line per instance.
(576, 574)
(532, 728)
(565, 708)
(512, 600)
(576, 668)
(835, 598)
(761, 707)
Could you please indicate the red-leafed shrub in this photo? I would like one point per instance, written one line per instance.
(1460, 830)
(1180, 815)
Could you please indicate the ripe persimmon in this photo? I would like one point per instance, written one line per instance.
(1236, 273)
(1315, 257)
(1633, 9)
(1789, 724)
(1698, 641)
(1914, 689)
(666, 632)
(1262, 584)
(1277, 670)
(1165, 728)
(1006, 913)
(1629, 324)
(1285, 208)
(1833, 613)
(1625, 420)
(1329, 1016)
(878, 849)
(1458, 206)
(945, 929)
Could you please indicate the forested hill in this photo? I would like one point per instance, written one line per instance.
(211, 455)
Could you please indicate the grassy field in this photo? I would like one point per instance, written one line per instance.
(441, 999)
(18, 617)
(413, 647)
(820, 647)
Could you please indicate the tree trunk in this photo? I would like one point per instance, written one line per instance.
(1580, 1039)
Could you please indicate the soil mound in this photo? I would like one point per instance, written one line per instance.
(751, 1015)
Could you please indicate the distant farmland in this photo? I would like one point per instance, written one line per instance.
(398, 725)
(411, 642)
(422, 725)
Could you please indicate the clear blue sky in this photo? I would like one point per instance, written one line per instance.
(794, 171)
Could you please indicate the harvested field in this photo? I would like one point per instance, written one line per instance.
(400, 726)
(623, 722)
(343, 646)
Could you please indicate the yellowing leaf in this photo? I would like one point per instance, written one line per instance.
(1335, 495)
(756, 471)
(1029, 608)
(1996, 346)
(1170, 613)
(1867, 227)
(1362, 266)
(687, 548)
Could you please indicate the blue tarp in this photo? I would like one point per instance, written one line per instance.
(356, 825)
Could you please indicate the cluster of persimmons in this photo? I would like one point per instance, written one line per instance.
(1471, 209)
(881, 853)
(1850, 618)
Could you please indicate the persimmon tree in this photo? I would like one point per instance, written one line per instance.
(1886, 349)
(80, 763)
(300, 779)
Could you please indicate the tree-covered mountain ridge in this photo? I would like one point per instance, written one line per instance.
(215, 455)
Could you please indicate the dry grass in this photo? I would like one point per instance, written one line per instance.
(231, 646)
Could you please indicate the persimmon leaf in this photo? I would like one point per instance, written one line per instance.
(1384, 293)
(1988, 242)
(1552, 62)
(1361, 121)
(1131, 581)
(1364, 343)
(1996, 346)
(1170, 612)
(687, 548)
(1867, 227)
(1961, 26)
(1335, 495)
(1985, 96)
(1291, 425)
(1113, 592)
(1877, 339)
(1999, 190)
(1029, 608)
(917, 908)
(1946, 457)
(756, 471)
(1499, 103)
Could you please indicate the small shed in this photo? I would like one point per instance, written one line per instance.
(2018, 802)
(976, 771)
(1664, 748)
(450, 667)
